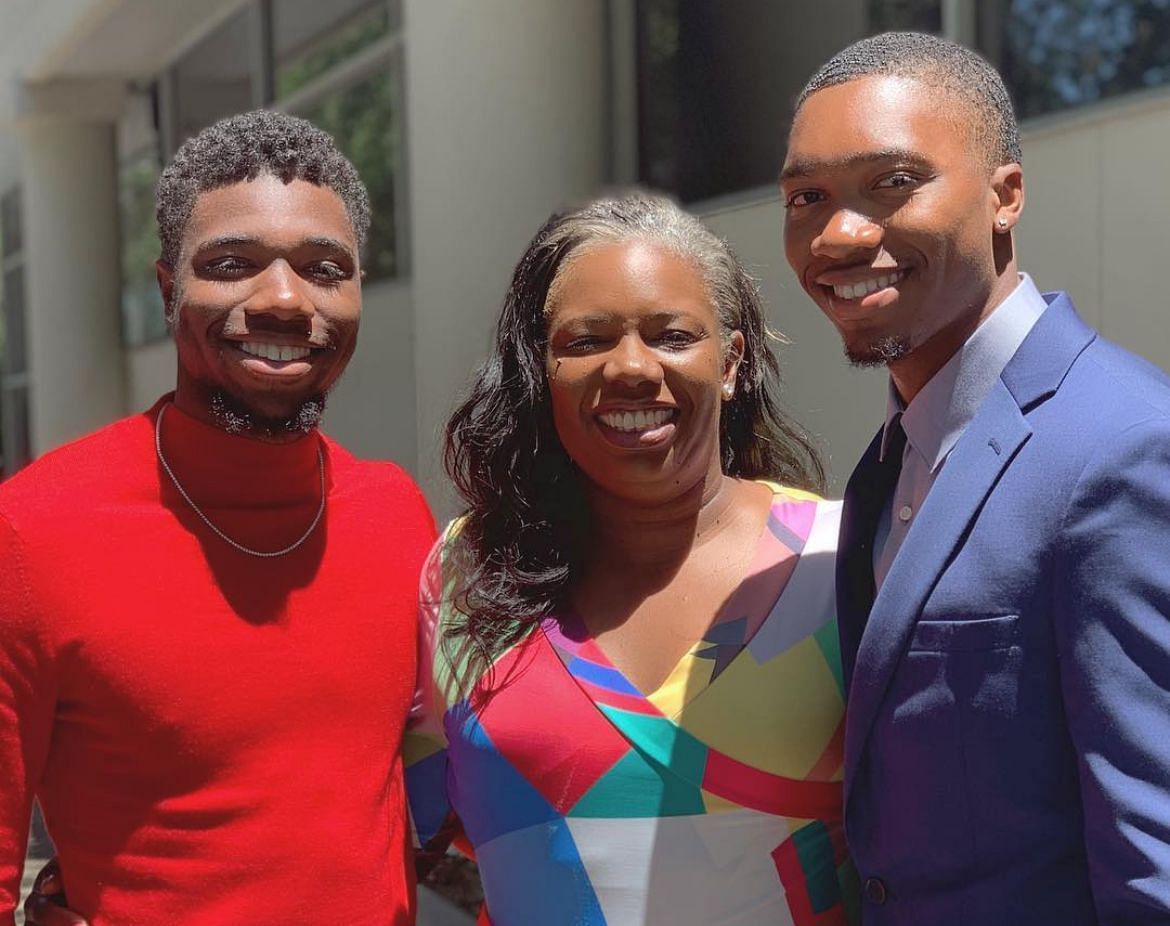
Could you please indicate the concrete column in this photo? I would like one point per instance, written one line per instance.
(72, 275)
(507, 120)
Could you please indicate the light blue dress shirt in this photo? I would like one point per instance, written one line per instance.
(940, 413)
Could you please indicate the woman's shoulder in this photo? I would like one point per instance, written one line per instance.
(439, 562)
(439, 573)
(816, 519)
(791, 492)
(444, 654)
(782, 493)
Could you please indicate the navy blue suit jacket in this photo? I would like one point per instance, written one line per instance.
(1007, 749)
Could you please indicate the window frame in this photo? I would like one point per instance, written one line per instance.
(14, 386)
(386, 55)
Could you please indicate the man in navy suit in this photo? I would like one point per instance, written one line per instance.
(1004, 575)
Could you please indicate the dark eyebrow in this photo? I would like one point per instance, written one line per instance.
(236, 241)
(226, 241)
(809, 166)
(331, 244)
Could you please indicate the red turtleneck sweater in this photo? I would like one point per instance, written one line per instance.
(214, 737)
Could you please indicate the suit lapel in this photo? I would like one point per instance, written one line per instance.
(973, 468)
(987, 447)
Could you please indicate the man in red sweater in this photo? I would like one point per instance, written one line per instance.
(207, 633)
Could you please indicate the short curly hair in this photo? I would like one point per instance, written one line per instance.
(241, 148)
(945, 65)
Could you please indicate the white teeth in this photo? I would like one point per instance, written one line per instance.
(279, 352)
(641, 420)
(865, 287)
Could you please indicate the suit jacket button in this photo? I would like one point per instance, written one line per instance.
(875, 891)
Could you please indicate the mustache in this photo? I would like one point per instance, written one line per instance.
(320, 333)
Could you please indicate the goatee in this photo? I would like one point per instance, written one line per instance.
(235, 417)
(879, 353)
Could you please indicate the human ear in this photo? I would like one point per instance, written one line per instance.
(1007, 185)
(732, 356)
(165, 274)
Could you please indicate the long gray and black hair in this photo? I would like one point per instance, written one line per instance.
(525, 521)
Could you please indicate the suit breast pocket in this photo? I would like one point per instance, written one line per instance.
(969, 635)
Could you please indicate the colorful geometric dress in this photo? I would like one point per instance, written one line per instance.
(715, 799)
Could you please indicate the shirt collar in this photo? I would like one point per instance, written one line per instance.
(940, 412)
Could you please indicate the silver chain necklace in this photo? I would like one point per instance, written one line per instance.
(263, 554)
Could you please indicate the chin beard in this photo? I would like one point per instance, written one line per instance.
(235, 417)
(883, 351)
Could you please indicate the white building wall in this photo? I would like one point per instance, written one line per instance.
(150, 371)
(372, 410)
(1098, 192)
(72, 277)
(506, 122)
(840, 406)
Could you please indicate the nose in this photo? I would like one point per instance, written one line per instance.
(280, 292)
(632, 363)
(845, 232)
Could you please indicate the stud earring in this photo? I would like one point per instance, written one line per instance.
(728, 390)
(1002, 222)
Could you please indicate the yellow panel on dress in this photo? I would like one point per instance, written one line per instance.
(785, 711)
(686, 679)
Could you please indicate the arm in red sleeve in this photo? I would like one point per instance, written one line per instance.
(27, 697)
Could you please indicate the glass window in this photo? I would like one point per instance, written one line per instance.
(215, 78)
(14, 427)
(895, 15)
(17, 440)
(11, 231)
(1057, 55)
(340, 66)
(716, 81)
(310, 37)
(142, 309)
(15, 360)
(363, 120)
(138, 169)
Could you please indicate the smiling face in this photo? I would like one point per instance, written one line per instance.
(893, 221)
(637, 371)
(266, 301)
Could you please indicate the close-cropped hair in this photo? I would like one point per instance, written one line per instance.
(948, 66)
(525, 522)
(243, 147)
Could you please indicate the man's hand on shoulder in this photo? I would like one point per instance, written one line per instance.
(46, 904)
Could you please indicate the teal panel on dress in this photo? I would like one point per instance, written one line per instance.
(814, 849)
(830, 645)
(637, 787)
(662, 741)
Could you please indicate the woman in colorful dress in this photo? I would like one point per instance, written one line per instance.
(632, 708)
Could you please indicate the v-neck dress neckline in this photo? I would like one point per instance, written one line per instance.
(715, 799)
(758, 594)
